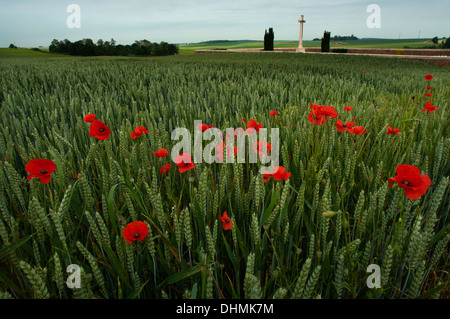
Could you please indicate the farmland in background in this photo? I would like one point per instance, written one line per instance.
(364, 43)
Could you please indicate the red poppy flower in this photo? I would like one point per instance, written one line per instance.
(342, 127)
(328, 111)
(203, 127)
(315, 116)
(428, 94)
(253, 124)
(235, 151)
(280, 173)
(392, 131)
(266, 177)
(358, 130)
(40, 168)
(89, 118)
(99, 130)
(348, 108)
(138, 132)
(162, 152)
(184, 162)
(428, 87)
(320, 114)
(226, 221)
(163, 170)
(259, 147)
(365, 70)
(409, 178)
(250, 131)
(429, 107)
(428, 77)
(244, 119)
(75, 176)
(135, 231)
(273, 113)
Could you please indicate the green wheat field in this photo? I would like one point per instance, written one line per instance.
(312, 235)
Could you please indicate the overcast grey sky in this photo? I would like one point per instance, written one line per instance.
(37, 22)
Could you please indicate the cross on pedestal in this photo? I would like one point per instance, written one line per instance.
(300, 42)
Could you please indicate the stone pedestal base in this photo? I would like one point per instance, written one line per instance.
(302, 50)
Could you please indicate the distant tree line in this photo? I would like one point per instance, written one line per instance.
(87, 47)
(445, 44)
(341, 38)
(344, 38)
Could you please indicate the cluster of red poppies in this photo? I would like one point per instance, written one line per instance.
(428, 106)
(252, 127)
(320, 114)
(349, 127)
(408, 177)
(138, 131)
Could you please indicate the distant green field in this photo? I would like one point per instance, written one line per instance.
(372, 43)
(211, 45)
(26, 52)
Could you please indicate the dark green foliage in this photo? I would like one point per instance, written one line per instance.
(446, 45)
(325, 46)
(268, 40)
(339, 50)
(87, 47)
(12, 46)
(344, 38)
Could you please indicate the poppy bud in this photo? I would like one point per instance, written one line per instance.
(400, 220)
(329, 214)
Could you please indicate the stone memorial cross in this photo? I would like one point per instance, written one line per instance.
(300, 43)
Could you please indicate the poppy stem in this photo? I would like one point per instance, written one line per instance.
(50, 191)
(154, 270)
